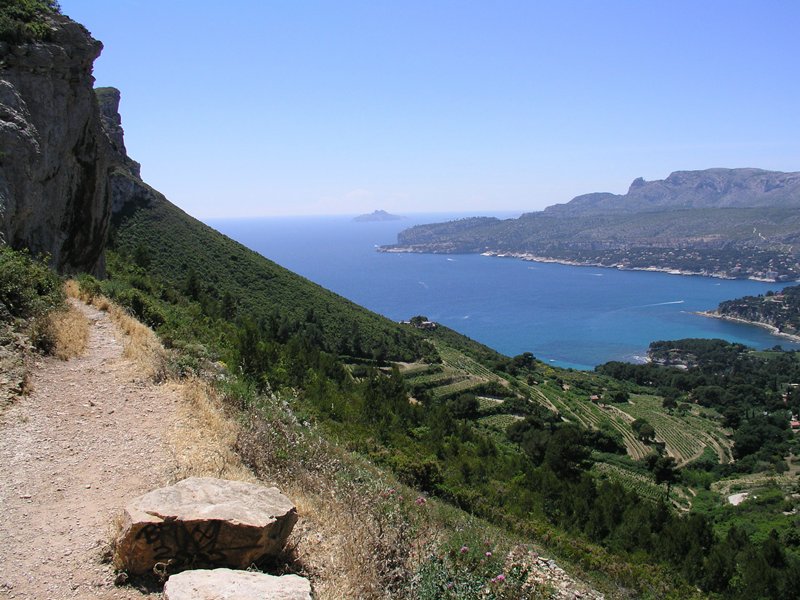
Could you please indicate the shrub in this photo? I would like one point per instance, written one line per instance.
(142, 307)
(89, 287)
(24, 20)
(27, 287)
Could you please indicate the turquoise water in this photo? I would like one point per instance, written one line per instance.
(570, 316)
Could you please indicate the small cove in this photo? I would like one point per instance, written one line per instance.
(570, 316)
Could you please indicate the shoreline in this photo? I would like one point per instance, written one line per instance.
(575, 263)
(772, 329)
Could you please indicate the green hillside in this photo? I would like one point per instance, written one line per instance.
(232, 281)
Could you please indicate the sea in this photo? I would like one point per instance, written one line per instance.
(569, 316)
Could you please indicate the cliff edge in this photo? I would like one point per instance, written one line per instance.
(54, 154)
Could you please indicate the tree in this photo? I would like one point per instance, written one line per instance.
(566, 454)
(643, 430)
(617, 396)
(664, 469)
(465, 406)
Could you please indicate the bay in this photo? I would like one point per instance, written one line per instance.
(567, 315)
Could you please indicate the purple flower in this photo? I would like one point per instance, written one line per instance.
(500, 578)
(488, 555)
(420, 501)
(464, 550)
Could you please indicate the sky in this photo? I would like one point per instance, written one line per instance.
(291, 107)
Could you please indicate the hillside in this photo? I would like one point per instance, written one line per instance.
(735, 223)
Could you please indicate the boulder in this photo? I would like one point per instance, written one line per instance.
(204, 522)
(224, 584)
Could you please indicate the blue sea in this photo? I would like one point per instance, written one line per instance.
(569, 316)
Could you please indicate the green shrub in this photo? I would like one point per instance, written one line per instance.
(89, 286)
(142, 307)
(27, 286)
(24, 20)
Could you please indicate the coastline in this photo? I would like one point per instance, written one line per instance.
(772, 329)
(576, 263)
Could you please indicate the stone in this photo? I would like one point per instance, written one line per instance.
(225, 584)
(204, 522)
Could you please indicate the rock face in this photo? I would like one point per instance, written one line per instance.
(126, 190)
(219, 584)
(54, 155)
(204, 522)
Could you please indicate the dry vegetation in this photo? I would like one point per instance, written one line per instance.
(63, 333)
(141, 343)
(203, 438)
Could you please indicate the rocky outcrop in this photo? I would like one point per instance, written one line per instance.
(126, 190)
(219, 584)
(204, 522)
(54, 155)
(682, 190)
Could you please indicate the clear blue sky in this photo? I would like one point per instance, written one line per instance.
(266, 107)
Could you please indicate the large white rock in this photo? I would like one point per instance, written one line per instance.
(224, 584)
(204, 522)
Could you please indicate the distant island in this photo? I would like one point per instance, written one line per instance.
(728, 223)
(378, 215)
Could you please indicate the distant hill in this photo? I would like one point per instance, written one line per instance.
(376, 216)
(736, 223)
(682, 190)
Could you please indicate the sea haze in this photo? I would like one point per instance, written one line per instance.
(569, 316)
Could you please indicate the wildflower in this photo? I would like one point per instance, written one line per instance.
(464, 550)
(500, 578)
(449, 585)
(488, 555)
(420, 501)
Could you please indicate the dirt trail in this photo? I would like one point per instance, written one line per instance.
(90, 437)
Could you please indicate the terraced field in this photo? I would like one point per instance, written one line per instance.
(499, 422)
(644, 485)
(587, 414)
(685, 437)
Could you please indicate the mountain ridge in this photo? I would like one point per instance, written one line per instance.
(707, 188)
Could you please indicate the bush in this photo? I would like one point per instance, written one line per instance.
(142, 307)
(89, 287)
(27, 287)
(23, 20)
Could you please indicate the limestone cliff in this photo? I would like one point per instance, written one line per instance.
(125, 186)
(54, 155)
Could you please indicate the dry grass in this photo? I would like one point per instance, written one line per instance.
(141, 344)
(73, 290)
(357, 537)
(69, 331)
(203, 437)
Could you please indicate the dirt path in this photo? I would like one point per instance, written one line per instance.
(89, 437)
